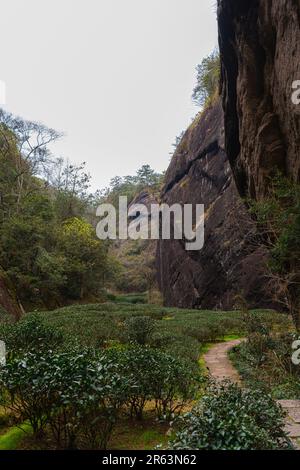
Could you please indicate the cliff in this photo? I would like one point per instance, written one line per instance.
(260, 57)
(229, 264)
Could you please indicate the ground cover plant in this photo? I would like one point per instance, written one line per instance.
(82, 376)
(264, 360)
(229, 417)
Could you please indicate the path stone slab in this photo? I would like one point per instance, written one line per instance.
(294, 414)
(293, 430)
(289, 403)
(296, 443)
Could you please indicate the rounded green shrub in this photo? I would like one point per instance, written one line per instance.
(75, 395)
(139, 329)
(30, 334)
(158, 377)
(231, 418)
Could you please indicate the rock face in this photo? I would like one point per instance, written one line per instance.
(260, 56)
(8, 301)
(229, 264)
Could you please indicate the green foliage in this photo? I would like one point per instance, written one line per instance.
(139, 329)
(130, 186)
(99, 324)
(71, 183)
(86, 262)
(31, 334)
(278, 217)
(22, 236)
(136, 257)
(4, 316)
(11, 439)
(155, 376)
(176, 343)
(265, 362)
(138, 272)
(231, 418)
(48, 249)
(208, 76)
(77, 395)
(130, 298)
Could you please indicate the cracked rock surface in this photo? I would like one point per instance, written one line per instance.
(230, 263)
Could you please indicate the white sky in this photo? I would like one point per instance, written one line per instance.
(115, 76)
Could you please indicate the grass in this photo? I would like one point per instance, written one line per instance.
(203, 350)
(134, 435)
(128, 435)
(13, 437)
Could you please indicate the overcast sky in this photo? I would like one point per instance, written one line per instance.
(115, 76)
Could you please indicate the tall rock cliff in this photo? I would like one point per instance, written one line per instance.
(223, 157)
(229, 264)
(260, 56)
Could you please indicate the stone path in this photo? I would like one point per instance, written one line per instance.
(218, 363)
(292, 407)
(221, 368)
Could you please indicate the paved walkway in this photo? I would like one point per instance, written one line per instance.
(218, 363)
(221, 368)
(292, 407)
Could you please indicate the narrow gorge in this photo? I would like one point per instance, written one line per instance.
(229, 153)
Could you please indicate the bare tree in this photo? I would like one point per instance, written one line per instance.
(32, 140)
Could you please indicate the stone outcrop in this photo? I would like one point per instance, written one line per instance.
(260, 57)
(230, 264)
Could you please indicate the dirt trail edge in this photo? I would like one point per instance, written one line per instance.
(218, 362)
(221, 368)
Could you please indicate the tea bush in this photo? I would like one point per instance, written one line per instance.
(23, 390)
(231, 418)
(31, 334)
(77, 395)
(155, 376)
(139, 329)
(265, 362)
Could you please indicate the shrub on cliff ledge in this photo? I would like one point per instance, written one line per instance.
(208, 75)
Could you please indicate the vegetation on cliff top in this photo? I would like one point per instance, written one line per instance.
(208, 77)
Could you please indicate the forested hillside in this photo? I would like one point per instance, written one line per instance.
(49, 251)
(48, 248)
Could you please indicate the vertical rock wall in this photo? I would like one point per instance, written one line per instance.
(260, 57)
